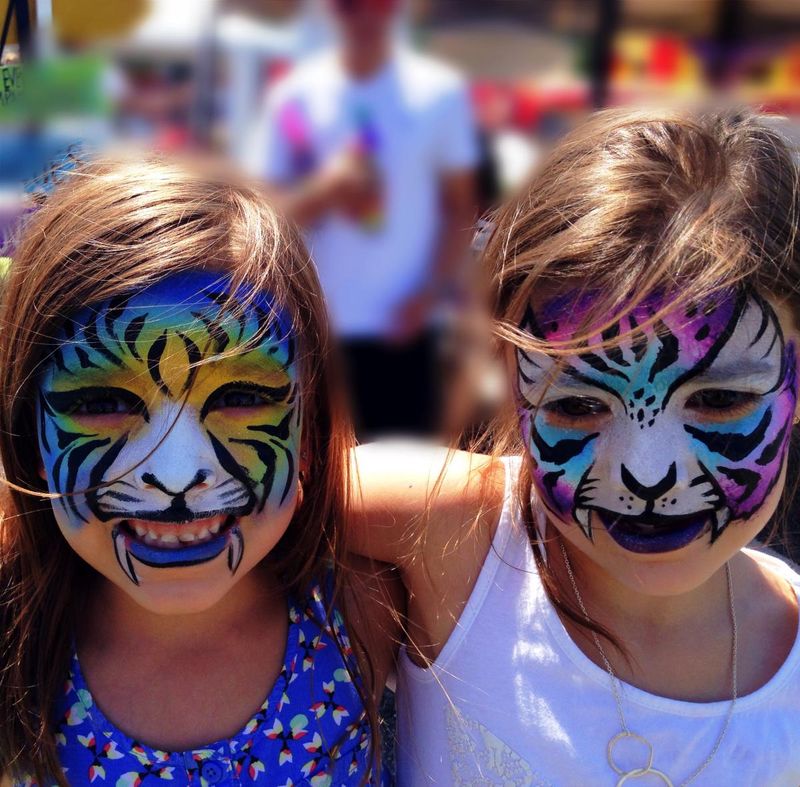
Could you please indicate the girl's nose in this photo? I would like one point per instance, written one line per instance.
(203, 479)
(649, 492)
(179, 456)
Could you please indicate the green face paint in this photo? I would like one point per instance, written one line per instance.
(142, 424)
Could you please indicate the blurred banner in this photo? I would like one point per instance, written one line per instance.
(78, 20)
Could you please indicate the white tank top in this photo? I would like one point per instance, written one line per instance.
(511, 700)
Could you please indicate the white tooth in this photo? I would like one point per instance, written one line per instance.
(151, 536)
(169, 538)
(140, 531)
(203, 533)
(582, 515)
(215, 528)
(186, 537)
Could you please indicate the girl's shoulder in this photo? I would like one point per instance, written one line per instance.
(775, 564)
(769, 612)
(410, 499)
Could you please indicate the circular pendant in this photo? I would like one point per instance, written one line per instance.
(620, 736)
(634, 773)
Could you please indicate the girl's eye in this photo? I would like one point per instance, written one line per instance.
(720, 400)
(236, 399)
(576, 407)
(107, 405)
(93, 402)
(242, 398)
(245, 396)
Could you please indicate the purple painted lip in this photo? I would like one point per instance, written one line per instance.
(652, 533)
(181, 556)
(127, 545)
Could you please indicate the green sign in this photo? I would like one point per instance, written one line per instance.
(10, 85)
(53, 88)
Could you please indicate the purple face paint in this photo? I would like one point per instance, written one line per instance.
(672, 431)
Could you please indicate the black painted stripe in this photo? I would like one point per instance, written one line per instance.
(267, 456)
(215, 331)
(77, 456)
(743, 477)
(280, 431)
(96, 343)
(733, 445)
(561, 452)
(154, 355)
(195, 356)
(771, 449)
(132, 332)
(668, 351)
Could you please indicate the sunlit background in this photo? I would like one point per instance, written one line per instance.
(81, 76)
(190, 73)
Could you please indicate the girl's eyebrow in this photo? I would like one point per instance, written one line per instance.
(573, 383)
(741, 369)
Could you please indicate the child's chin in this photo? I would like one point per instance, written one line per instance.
(180, 591)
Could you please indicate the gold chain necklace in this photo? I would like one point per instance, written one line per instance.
(616, 689)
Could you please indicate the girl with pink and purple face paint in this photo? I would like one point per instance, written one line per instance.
(668, 435)
(585, 605)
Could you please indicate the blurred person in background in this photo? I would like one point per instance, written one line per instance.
(373, 148)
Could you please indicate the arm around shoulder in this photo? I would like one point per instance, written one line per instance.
(410, 499)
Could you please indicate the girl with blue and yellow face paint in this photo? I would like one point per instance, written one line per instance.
(175, 456)
(178, 416)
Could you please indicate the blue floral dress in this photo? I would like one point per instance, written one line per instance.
(309, 731)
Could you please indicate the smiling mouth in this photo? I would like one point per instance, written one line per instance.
(653, 533)
(172, 544)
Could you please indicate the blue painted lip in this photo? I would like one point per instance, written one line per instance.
(180, 556)
(663, 534)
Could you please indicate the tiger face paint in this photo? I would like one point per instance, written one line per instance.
(669, 434)
(145, 430)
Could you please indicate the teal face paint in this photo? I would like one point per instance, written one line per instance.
(660, 434)
(143, 422)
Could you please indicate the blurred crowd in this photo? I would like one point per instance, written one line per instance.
(387, 128)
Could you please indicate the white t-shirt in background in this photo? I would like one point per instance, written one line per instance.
(512, 700)
(420, 114)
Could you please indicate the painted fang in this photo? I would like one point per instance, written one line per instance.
(671, 432)
(145, 425)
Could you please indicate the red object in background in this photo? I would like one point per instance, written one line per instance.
(173, 137)
(275, 70)
(793, 58)
(493, 104)
(522, 105)
(527, 107)
(665, 58)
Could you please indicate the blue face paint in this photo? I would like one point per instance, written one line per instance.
(173, 413)
(671, 431)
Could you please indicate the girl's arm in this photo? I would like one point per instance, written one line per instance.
(409, 500)
(376, 609)
(432, 513)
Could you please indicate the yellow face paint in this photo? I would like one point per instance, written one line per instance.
(144, 423)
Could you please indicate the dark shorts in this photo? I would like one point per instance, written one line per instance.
(394, 389)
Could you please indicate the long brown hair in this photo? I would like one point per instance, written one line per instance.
(686, 204)
(113, 227)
